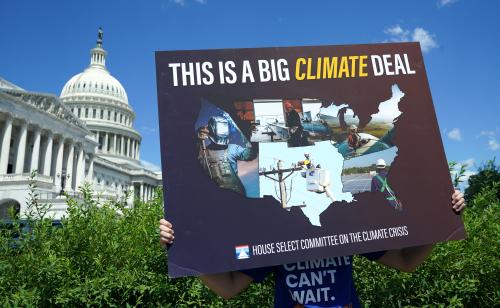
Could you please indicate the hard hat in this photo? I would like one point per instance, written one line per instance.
(353, 127)
(218, 130)
(381, 163)
(307, 153)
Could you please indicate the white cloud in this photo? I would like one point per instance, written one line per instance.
(455, 134)
(426, 39)
(493, 144)
(469, 162)
(183, 2)
(398, 34)
(492, 138)
(179, 2)
(442, 3)
(487, 133)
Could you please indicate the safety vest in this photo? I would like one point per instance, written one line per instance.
(353, 140)
(385, 187)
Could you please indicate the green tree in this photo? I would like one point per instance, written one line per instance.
(488, 174)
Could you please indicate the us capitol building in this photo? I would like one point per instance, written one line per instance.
(84, 135)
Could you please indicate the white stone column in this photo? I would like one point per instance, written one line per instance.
(90, 173)
(35, 154)
(97, 138)
(122, 145)
(130, 200)
(96, 135)
(4, 155)
(47, 165)
(80, 168)
(141, 193)
(138, 151)
(21, 147)
(105, 146)
(114, 144)
(59, 163)
(128, 147)
(69, 167)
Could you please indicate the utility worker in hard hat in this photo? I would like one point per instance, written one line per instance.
(353, 138)
(220, 158)
(306, 164)
(295, 128)
(379, 183)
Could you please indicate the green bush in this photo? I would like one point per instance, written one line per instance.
(457, 274)
(108, 255)
(487, 177)
(103, 255)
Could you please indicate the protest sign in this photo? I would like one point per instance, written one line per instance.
(278, 155)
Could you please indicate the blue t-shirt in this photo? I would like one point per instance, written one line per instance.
(317, 283)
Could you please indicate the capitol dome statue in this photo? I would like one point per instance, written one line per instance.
(100, 101)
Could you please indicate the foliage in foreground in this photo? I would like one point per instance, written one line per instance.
(104, 254)
(108, 255)
(487, 176)
(458, 273)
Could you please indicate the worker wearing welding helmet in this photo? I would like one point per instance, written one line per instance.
(219, 157)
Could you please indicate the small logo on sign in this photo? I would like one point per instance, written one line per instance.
(242, 252)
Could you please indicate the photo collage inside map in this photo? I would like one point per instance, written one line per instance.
(306, 152)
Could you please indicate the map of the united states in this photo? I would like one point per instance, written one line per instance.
(346, 164)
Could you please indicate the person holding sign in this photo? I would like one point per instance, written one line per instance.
(318, 283)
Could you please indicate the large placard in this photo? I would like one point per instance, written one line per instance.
(278, 155)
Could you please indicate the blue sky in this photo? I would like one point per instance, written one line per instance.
(44, 43)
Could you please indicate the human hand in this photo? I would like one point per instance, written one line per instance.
(166, 233)
(203, 133)
(458, 201)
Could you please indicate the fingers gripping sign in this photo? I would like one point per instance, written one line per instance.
(166, 233)
(458, 201)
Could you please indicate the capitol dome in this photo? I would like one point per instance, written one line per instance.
(95, 80)
(99, 100)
